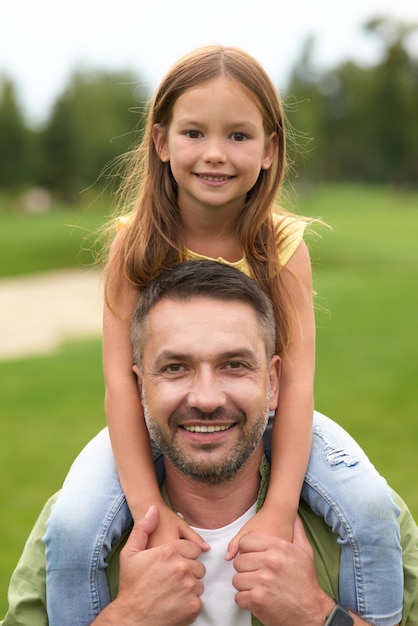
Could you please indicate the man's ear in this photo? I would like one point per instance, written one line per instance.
(138, 375)
(160, 142)
(275, 368)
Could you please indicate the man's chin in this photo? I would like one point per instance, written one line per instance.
(211, 462)
(211, 466)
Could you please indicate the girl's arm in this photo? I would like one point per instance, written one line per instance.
(127, 429)
(292, 427)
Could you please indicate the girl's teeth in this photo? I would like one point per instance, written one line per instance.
(215, 178)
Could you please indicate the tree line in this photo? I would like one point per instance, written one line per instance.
(350, 123)
(358, 123)
(96, 118)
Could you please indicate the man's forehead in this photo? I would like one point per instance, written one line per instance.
(204, 319)
(182, 308)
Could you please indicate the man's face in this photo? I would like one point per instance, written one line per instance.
(207, 385)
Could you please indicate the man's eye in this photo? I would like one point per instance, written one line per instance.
(235, 365)
(174, 368)
(239, 137)
(193, 134)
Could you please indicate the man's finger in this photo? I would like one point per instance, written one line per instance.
(138, 539)
(299, 536)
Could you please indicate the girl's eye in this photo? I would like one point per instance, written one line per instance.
(239, 137)
(193, 134)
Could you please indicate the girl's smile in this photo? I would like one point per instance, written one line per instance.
(210, 178)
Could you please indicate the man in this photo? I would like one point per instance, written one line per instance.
(204, 336)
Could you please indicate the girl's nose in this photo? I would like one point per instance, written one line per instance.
(214, 151)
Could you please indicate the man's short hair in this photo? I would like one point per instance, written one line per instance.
(209, 279)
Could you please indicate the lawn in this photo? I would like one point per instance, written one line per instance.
(366, 277)
(56, 239)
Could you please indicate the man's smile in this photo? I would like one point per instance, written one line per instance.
(207, 428)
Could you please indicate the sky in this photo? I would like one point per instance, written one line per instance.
(43, 41)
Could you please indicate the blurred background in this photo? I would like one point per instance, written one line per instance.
(74, 83)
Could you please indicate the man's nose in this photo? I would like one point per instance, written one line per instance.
(206, 393)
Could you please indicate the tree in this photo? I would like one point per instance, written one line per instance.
(364, 121)
(395, 116)
(96, 119)
(14, 138)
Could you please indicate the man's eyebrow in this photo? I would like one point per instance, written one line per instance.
(239, 353)
(169, 355)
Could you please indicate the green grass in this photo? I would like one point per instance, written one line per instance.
(366, 276)
(60, 238)
(50, 407)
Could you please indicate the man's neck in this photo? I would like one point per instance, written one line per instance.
(214, 506)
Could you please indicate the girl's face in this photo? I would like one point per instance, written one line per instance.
(216, 145)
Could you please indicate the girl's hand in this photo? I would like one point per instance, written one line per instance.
(267, 522)
(172, 527)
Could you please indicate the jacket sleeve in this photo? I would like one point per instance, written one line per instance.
(27, 588)
(409, 541)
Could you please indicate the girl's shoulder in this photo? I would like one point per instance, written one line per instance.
(287, 223)
(290, 231)
(123, 221)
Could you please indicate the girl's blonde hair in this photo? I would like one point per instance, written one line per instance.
(148, 193)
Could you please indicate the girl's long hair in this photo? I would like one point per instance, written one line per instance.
(148, 193)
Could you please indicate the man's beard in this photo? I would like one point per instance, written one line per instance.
(208, 472)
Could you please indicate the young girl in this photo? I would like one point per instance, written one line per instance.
(203, 184)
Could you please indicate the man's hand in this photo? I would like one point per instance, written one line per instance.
(171, 527)
(160, 585)
(276, 580)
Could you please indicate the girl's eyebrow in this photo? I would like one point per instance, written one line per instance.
(234, 124)
(188, 121)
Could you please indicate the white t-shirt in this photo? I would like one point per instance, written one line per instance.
(218, 599)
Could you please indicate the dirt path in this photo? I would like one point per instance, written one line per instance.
(39, 312)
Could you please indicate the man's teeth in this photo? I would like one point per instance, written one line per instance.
(206, 429)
